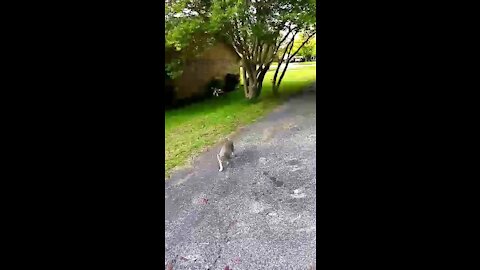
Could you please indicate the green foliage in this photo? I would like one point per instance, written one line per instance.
(309, 49)
(174, 68)
(262, 20)
(257, 29)
(186, 31)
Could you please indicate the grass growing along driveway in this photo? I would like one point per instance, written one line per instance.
(189, 130)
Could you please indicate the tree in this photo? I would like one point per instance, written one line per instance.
(289, 51)
(186, 31)
(309, 49)
(257, 29)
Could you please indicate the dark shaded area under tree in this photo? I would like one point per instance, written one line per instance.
(229, 84)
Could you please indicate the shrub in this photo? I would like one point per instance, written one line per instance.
(231, 82)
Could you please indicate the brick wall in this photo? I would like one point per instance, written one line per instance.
(214, 62)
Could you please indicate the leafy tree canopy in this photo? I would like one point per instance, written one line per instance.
(309, 49)
(257, 29)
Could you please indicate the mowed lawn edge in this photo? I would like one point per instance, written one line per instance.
(191, 129)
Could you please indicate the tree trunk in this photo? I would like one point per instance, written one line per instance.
(288, 51)
(256, 90)
(252, 88)
(251, 82)
(260, 80)
(253, 77)
(283, 72)
(245, 81)
(275, 89)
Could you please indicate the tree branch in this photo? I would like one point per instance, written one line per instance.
(304, 42)
(284, 38)
(288, 49)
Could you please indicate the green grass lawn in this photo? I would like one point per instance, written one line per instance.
(189, 130)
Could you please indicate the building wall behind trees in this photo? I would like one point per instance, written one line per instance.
(214, 63)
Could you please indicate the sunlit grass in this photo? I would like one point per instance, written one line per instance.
(191, 129)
